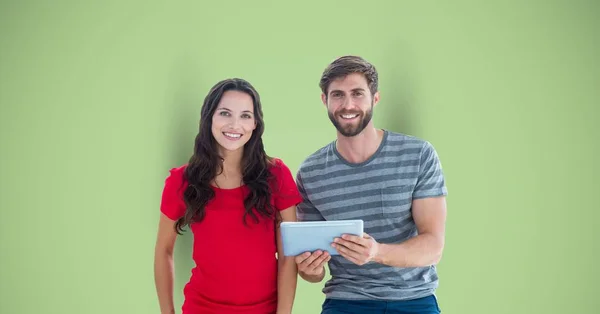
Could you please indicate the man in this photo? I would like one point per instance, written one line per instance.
(393, 182)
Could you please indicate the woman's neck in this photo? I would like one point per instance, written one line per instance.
(232, 161)
(231, 176)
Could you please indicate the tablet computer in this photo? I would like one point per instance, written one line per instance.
(309, 236)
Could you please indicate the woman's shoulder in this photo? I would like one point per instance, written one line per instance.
(176, 174)
(178, 170)
(276, 163)
(278, 167)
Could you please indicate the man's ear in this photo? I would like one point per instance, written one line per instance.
(324, 99)
(376, 98)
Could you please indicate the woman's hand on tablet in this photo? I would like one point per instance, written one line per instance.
(311, 266)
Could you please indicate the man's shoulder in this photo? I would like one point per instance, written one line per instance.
(315, 159)
(403, 139)
(411, 145)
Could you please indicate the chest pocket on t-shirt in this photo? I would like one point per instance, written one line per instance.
(396, 201)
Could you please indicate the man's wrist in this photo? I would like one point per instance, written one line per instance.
(380, 257)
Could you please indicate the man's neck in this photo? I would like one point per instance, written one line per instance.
(361, 147)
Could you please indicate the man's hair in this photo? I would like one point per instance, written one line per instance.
(343, 66)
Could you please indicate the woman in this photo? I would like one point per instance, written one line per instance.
(232, 196)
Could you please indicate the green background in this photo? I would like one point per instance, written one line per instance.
(98, 101)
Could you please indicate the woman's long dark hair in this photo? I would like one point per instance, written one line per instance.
(206, 163)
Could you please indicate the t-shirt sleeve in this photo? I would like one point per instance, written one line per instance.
(305, 210)
(430, 182)
(172, 204)
(286, 194)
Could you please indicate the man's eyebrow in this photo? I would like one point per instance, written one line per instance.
(357, 89)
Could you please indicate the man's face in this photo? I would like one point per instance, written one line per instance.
(350, 104)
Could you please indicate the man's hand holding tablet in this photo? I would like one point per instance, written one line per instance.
(312, 243)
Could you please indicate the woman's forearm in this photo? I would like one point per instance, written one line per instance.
(287, 278)
(163, 279)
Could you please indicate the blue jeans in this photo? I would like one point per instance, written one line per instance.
(426, 305)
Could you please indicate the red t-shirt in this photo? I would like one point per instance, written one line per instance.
(236, 267)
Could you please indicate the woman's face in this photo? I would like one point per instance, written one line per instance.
(233, 121)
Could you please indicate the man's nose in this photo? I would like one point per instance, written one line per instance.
(348, 103)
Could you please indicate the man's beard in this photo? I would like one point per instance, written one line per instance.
(351, 130)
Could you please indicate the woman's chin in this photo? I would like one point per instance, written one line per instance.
(230, 148)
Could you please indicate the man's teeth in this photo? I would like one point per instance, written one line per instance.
(349, 116)
(232, 135)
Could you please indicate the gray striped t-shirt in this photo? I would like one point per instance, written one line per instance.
(379, 191)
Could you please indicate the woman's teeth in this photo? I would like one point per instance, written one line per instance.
(232, 135)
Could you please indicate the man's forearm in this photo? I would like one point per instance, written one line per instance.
(420, 251)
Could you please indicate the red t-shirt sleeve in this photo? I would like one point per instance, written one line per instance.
(172, 204)
(285, 192)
